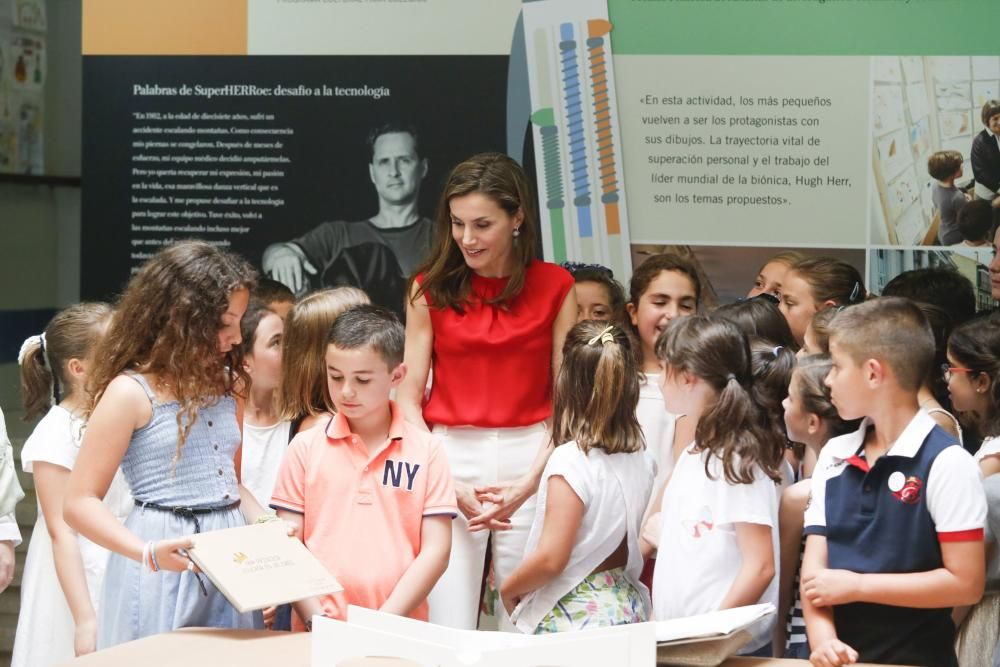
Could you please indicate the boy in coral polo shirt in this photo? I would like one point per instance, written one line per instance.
(371, 493)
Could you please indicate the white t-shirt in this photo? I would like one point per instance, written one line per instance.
(263, 449)
(657, 427)
(56, 439)
(698, 558)
(614, 489)
(990, 447)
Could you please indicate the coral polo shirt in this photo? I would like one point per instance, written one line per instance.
(361, 513)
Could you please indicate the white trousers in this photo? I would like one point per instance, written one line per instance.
(482, 456)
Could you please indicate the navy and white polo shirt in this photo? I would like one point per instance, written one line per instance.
(892, 518)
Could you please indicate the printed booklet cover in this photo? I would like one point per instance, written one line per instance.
(260, 566)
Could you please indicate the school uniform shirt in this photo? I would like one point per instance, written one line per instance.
(614, 489)
(892, 517)
(699, 559)
(362, 514)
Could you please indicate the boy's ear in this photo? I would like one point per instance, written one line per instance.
(398, 373)
(873, 371)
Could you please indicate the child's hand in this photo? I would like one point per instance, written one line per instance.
(85, 637)
(171, 554)
(833, 653)
(831, 587)
(651, 530)
(499, 502)
(509, 602)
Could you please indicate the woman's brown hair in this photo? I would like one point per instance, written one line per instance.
(303, 391)
(166, 324)
(71, 334)
(446, 278)
(717, 352)
(597, 390)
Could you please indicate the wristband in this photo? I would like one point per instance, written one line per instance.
(152, 557)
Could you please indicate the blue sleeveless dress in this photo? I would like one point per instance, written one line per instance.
(137, 603)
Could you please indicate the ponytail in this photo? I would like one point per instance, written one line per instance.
(72, 334)
(597, 390)
(37, 381)
(717, 352)
(772, 368)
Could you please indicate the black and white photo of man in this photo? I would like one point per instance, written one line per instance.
(377, 254)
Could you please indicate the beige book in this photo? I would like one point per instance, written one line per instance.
(260, 566)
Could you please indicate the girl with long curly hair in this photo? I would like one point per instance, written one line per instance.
(162, 407)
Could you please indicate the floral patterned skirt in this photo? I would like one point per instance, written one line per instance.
(601, 600)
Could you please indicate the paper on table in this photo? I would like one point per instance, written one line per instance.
(716, 623)
(371, 633)
(260, 566)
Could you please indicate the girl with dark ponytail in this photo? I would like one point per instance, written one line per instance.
(583, 563)
(719, 513)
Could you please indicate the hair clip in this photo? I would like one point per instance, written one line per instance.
(30, 342)
(855, 293)
(777, 348)
(573, 267)
(604, 337)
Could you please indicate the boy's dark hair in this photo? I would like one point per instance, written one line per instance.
(976, 345)
(944, 164)
(371, 326)
(892, 330)
(270, 291)
(975, 221)
(990, 109)
(759, 318)
(945, 288)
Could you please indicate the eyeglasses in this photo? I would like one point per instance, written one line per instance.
(947, 370)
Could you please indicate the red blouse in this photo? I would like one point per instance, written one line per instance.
(493, 365)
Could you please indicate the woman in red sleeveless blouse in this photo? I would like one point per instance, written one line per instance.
(486, 320)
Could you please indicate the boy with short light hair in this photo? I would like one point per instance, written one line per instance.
(895, 522)
(945, 167)
(371, 493)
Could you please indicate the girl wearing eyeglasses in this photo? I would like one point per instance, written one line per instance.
(971, 372)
